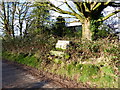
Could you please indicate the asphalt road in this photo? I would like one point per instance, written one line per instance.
(14, 77)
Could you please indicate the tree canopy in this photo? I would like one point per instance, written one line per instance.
(88, 11)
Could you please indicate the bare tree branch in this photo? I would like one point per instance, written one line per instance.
(111, 14)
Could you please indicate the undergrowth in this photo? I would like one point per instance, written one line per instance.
(92, 62)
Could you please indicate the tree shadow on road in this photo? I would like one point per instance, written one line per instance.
(41, 84)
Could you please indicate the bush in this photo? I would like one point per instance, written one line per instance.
(93, 62)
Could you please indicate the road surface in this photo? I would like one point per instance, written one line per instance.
(15, 77)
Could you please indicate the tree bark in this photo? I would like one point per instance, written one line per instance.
(86, 32)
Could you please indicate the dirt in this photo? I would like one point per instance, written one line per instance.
(15, 75)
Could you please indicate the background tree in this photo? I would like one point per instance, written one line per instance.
(113, 21)
(59, 27)
(4, 16)
(39, 17)
(22, 11)
(11, 13)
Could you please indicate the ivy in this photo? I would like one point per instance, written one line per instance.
(94, 27)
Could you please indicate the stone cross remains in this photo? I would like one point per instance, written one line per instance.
(62, 44)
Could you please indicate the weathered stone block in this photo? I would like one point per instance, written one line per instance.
(62, 44)
(57, 53)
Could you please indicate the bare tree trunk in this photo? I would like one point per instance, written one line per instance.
(13, 17)
(86, 32)
(21, 29)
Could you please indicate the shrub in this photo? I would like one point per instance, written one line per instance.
(96, 62)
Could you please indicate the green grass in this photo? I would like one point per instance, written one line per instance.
(22, 58)
(102, 77)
